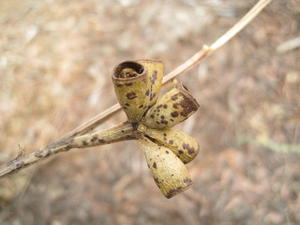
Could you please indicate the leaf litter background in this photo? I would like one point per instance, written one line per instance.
(55, 65)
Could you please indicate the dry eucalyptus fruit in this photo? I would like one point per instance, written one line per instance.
(150, 121)
(137, 85)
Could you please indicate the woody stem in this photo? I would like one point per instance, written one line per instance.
(120, 132)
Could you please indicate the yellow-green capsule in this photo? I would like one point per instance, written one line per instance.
(172, 108)
(131, 82)
(182, 145)
(169, 172)
(155, 73)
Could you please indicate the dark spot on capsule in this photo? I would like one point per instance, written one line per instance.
(172, 192)
(84, 143)
(165, 134)
(154, 77)
(162, 117)
(171, 142)
(157, 122)
(187, 180)
(172, 175)
(190, 149)
(183, 114)
(128, 84)
(147, 93)
(119, 85)
(152, 96)
(131, 95)
(165, 106)
(174, 114)
(156, 181)
(175, 105)
(180, 152)
(167, 152)
(94, 138)
(123, 131)
(152, 116)
(171, 120)
(141, 106)
(164, 122)
(127, 104)
(154, 165)
(188, 106)
(174, 97)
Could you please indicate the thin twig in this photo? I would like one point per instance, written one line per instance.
(95, 121)
(64, 144)
(250, 15)
(121, 132)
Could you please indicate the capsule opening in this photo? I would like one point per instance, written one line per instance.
(128, 69)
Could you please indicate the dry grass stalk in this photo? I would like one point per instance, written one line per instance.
(64, 144)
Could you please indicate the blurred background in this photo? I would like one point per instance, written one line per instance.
(56, 59)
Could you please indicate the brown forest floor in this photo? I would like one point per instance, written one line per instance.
(56, 58)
